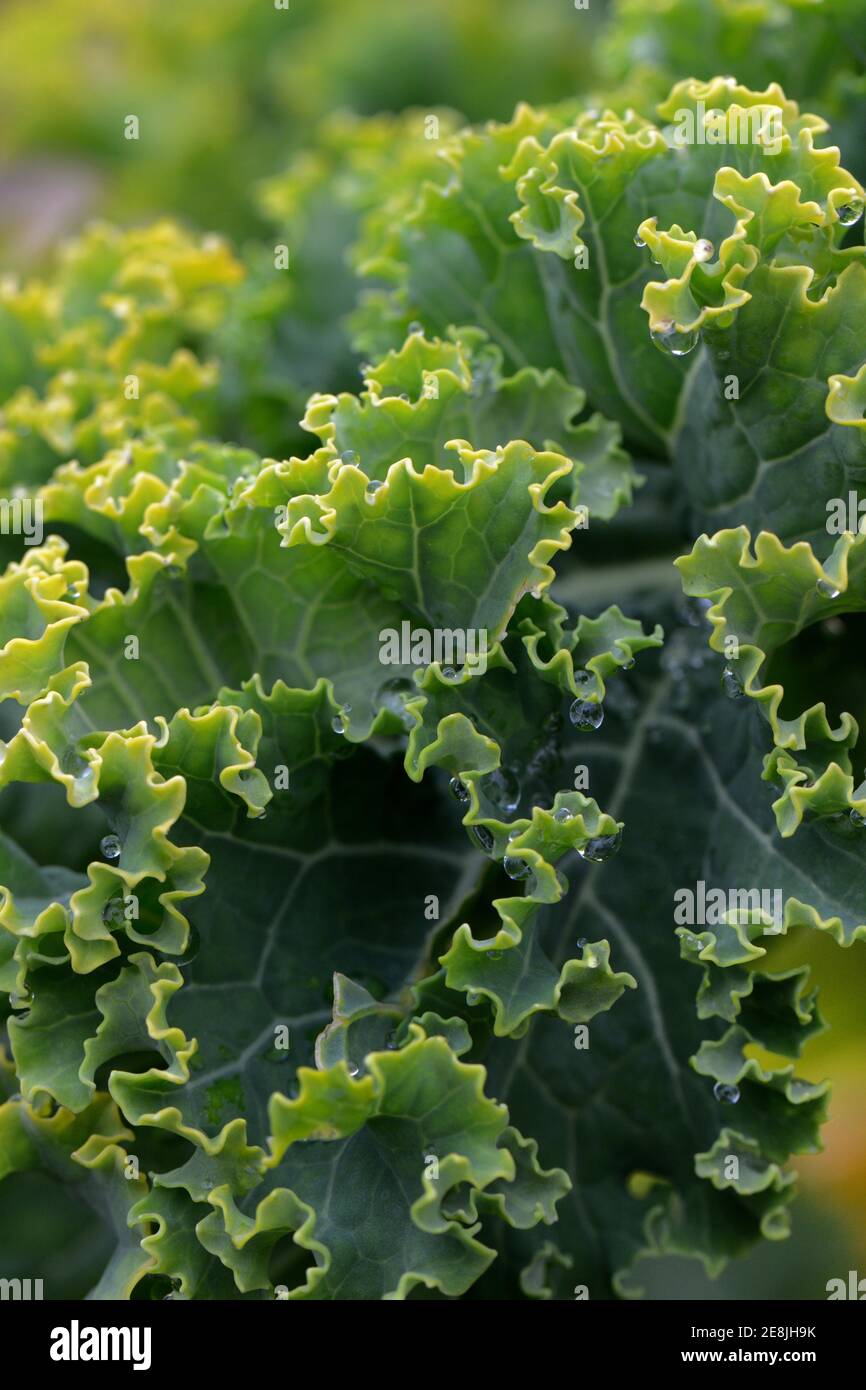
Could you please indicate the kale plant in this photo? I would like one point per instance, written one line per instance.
(399, 803)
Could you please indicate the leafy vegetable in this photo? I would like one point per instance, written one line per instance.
(316, 979)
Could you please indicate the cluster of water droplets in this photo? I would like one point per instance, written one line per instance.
(504, 788)
(585, 714)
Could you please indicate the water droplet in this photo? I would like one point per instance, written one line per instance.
(391, 1040)
(353, 1070)
(726, 1093)
(562, 814)
(448, 673)
(494, 955)
(112, 912)
(73, 764)
(857, 817)
(601, 848)
(672, 340)
(694, 610)
(193, 945)
(850, 212)
(472, 997)
(415, 328)
(504, 789)
(732, 685)
(826, 589)
(372, 488)
(516, 867)
(581, 943)
(703, 250)
(348, 456)
(583, 677)
(459, 790)
(110, 846)
(73, 594)
(393, 695)
(337, 725)
(586, 715)
(482, 837)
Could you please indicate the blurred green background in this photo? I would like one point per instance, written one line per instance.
(231, 92)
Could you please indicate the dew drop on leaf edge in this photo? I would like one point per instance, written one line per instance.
(459, 790)
(850, 212)
(515, 867)
(732, 685)
(673, 341)
(601, 848)
(586, 715)
(482, 837)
